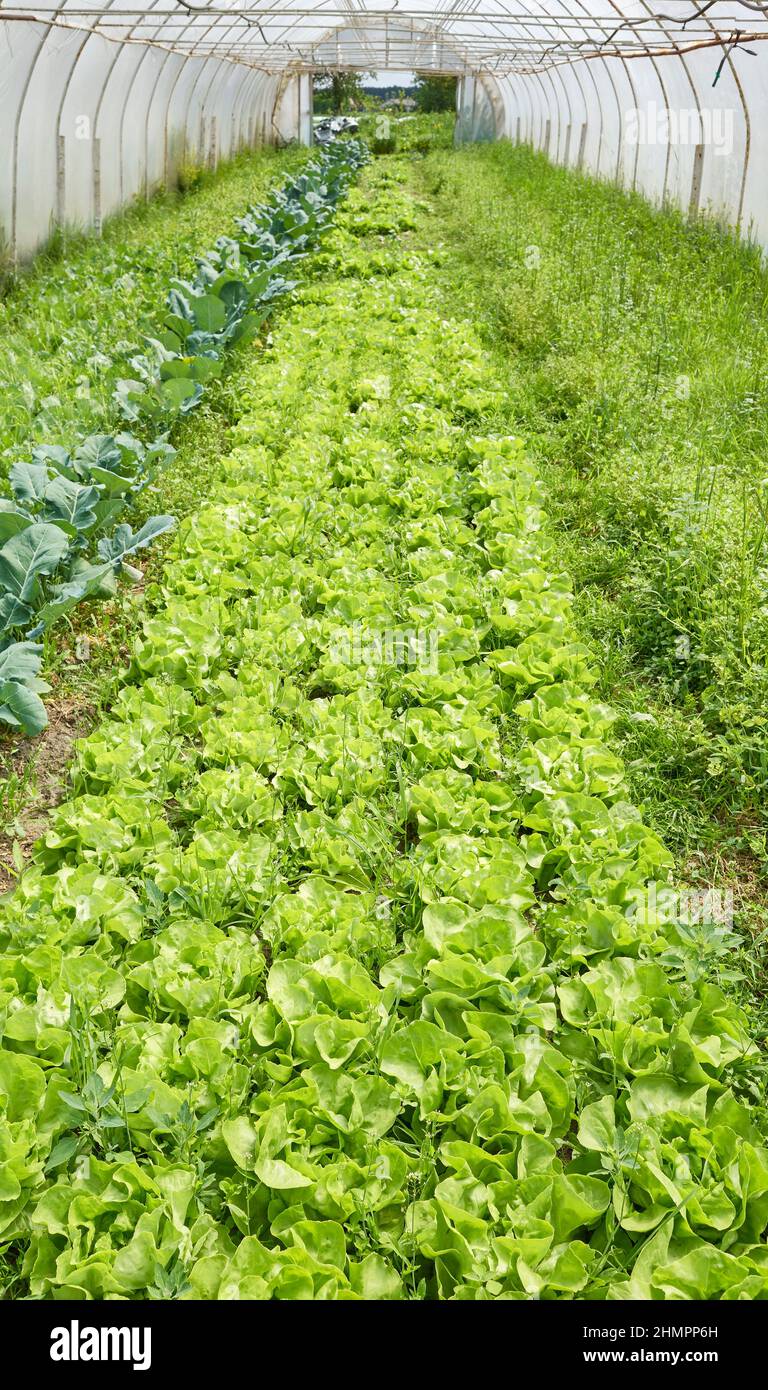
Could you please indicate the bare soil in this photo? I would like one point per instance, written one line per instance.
(45, 760)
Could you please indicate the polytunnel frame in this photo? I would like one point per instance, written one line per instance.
(244, 102)
(557, 74)
(461, 70)
(529, 113)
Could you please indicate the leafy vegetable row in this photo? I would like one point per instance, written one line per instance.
(235, 288)
(341, 975)
(56, 542)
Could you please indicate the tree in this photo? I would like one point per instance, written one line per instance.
(436, 93)
(340, 91)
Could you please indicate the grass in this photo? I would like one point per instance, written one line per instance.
(14, 795)
(69, 323)
(635, 351)
(415, 135)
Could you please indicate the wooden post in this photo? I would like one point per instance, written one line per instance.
(582, 146)
(61, 182)
(698, 170)
(97, 185)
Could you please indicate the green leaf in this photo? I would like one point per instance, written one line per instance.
(323, 1241)
(234, 293)
(98, 451)
(178, 330)
(28, 481)
(22, 1084)
(74, 1101)
(180, 309)
(22, 708)
(275, 1172)
(191, 368)
(597, 1125)
(248, 327)
(132, 398)
(12, 521)
(662, 1094)
(69, 502)
(20, 661)
(209, 312)
(180, 394)
(13, 613)
(62, 1152)
(374, 1279)
(89, 581)
(52, 455)
(125, 542)
(113, 484)
(240, 1138)
(410, 1053)
(24, 558)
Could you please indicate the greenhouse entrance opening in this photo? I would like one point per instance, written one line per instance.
(384, 107)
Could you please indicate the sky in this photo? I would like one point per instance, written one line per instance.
(391, 79)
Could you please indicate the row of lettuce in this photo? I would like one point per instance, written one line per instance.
(63, 533)
(342, 973)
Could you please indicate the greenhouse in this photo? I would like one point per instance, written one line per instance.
(384, 661)
(101, 102)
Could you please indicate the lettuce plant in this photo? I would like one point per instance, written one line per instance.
(342, 977)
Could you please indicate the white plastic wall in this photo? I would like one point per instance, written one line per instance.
(479, 109)
(89, 120)
(660, 124)
(87, 124)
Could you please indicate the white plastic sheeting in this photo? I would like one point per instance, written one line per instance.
(686, 127)
(89, 121)
(102, 100)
